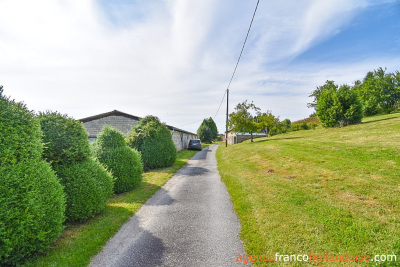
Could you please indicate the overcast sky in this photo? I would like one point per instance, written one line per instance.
(174, 58)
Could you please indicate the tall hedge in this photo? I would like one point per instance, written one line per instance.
(122, 161)
(32, 201)
(154, 141)
(87, 184)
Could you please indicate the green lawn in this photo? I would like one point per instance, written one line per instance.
(80, 242)
(319, 191)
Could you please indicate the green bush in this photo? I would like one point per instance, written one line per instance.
(32, 201)
(124, 162)
(20, 134)
(87, 186)
(65, 139)
(154, 141)
(339, 107)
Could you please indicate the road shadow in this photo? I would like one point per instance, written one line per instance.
(201, 155)
(161, 198)
(131, 246)
(193, 171)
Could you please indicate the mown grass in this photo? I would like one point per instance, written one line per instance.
(319, 191)
(79, 242)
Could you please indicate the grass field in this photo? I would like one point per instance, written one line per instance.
(333, 191)
(80, 242)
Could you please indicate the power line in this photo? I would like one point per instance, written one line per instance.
(233, 74)
(240, 56)
(220, 104)
(245, 40)
(234, 71)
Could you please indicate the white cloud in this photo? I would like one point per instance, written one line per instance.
(169, 58)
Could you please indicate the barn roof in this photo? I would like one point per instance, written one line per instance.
(119, 113)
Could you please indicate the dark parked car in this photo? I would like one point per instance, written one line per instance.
(194, 144)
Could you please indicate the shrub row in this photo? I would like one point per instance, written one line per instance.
(87, 184)
(32, 201)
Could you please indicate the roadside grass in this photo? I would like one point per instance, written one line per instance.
(333, 191)
(79, 242)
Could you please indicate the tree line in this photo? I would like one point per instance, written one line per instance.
(377, 93)
(334, 105)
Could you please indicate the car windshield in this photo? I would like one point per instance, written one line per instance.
(195, 142)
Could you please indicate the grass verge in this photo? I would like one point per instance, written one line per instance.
(79, 242)
(333, 191)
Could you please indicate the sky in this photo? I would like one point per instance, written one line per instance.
(174, 58)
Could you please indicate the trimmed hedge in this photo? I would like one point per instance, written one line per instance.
(87, 184)
(32, 206)
(20, 134)
(65, 139)
(124, 162)
(154, 141)
(32, 201)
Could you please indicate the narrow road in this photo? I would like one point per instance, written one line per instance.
(188, 222)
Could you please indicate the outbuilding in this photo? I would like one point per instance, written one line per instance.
(124, 123)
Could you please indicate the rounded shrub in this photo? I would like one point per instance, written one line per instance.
(154, 141)
(65, 139)
(32, 201)
(122, 161)
(20, 134)
(87, 184)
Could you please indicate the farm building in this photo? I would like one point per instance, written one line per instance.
(124, 123)
(235, 138)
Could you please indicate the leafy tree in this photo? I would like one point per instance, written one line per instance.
(244, 118)
(339, 107)
(154, 141)
(210, 123)
(208, 130)
(320, 89)
(351, 106)
(265, 121)
(379, 92)
(205, 133)
(286, 123)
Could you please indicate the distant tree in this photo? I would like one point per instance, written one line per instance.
(244, 118)
(339, 107)
(351, 106)
(286, 123)
(204, 128)
(205, 133)
(265, 121)
(379, 92)
(320, 89)
(210, 122)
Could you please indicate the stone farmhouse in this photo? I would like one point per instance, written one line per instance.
(124, 122)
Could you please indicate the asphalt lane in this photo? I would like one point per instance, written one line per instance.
(188, 222)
